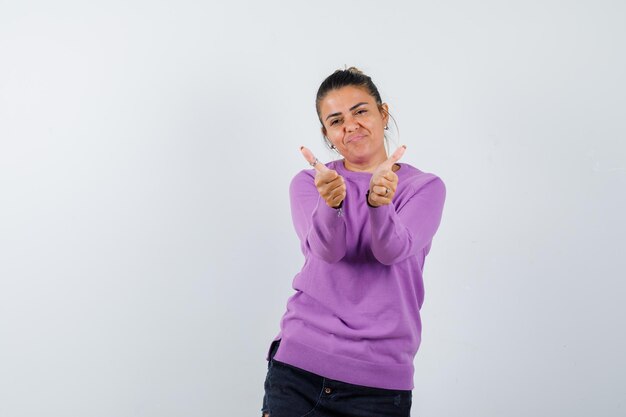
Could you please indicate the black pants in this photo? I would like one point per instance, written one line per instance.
(294, 392)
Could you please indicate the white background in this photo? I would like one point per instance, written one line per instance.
(146, 244)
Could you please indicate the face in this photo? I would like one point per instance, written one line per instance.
(354, 124)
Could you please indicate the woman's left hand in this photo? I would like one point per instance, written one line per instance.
(384, 181)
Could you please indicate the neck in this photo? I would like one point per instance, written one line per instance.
(365, 166)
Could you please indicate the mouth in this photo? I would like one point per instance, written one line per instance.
(355, 138)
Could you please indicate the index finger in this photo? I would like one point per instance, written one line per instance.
(312, 160)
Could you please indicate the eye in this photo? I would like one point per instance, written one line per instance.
(334, 122)
(361, 111)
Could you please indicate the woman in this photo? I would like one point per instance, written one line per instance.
(365, 223)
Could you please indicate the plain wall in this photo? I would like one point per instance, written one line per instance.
(146, 244)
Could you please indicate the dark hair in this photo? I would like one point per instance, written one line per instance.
(343, 78)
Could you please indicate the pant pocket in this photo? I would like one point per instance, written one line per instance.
(292, 392)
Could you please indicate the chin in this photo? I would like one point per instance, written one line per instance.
(359, 157)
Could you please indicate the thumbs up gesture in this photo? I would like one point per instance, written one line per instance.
(384, 181)
(328, 182)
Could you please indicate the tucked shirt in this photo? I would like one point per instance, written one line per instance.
(355, 313)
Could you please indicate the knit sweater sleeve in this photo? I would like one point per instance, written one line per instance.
(398, 233)
(321, 229)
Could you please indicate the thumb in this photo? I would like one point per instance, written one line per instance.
(395, 157)
(312, 160)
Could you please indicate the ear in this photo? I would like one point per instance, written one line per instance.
(323, 129)
(384, 110)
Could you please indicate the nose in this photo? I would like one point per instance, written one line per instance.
(351, 124)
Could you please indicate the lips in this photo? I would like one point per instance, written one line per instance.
(355, 138)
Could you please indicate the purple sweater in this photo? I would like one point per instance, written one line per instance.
(355, 316)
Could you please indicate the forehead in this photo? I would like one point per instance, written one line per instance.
(342, 99)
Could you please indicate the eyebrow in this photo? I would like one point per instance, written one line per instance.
(351, 108)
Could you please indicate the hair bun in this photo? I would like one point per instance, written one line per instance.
(355, 70)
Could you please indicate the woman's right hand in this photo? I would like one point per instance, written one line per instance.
(328, 182)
